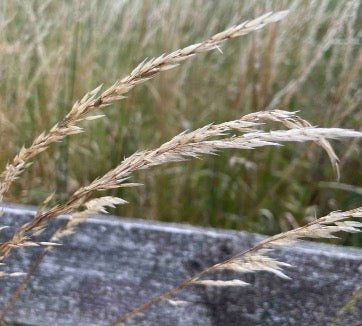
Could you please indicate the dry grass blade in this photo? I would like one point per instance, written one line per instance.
(92, 101)
(255, 259)
(182, 147)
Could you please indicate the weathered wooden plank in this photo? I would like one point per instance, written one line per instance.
(111, 265)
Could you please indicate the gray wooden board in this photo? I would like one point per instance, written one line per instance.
(111, 265)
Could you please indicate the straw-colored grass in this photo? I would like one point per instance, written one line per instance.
(255, 259)
(56, 51)
(91, 101)
(183, 146)
(273, 69)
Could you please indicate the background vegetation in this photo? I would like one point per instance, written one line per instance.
(53, 52)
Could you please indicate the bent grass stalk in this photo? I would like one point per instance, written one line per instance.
(180, 148)
(19, 239)
(288, 119)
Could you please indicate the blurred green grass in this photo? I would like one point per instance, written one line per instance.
(53, 52)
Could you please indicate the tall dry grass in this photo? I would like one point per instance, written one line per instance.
(54, 52)
(258, 84)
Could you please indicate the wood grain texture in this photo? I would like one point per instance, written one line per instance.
(111, 265)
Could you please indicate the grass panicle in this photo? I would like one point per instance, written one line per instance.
(91, 102)
(255, 259)
(180, 148)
